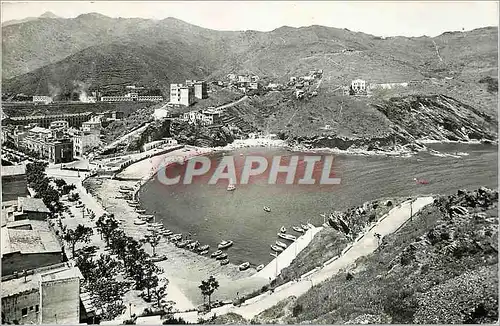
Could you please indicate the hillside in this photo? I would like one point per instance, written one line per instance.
(440, 267)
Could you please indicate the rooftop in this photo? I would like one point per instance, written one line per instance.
(17, 285)
(32, 205)
(41, 130)
(13, 170)
(29, 238)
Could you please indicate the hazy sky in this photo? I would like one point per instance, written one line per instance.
(387, 18)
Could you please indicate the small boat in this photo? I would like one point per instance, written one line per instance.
(231, 187)
(140, 211)
(224, 262)
(156, 225)
(204, 252)
(221, 257)
(421, 181)
(146, 217)
(134, 205)
(297, 229)
(276, 248)
(225, 244)
(216, 253)
(287, 236)
(126, 188)
(132, 202)
(283, 229)
(166, 233)
(244, 266)
(304, 227)
(260, 267)
(281, 244)
(122, 191)
(176, 237)
(274, 254)
(203, 248)
(156, 259)
(139, 222)
(267, 209)
(182, 244)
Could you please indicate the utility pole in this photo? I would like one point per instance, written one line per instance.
(411, 210)
(276, 259)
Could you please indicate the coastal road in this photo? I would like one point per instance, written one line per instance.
(364, 246)
(125, 137)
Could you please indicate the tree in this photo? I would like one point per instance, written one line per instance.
(35, 171)
(66, 189)
(160, 291)
(80, 234)
(208, 287)
(60, 183)
(87, 266)
(145, 276)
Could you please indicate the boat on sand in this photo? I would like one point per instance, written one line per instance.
(244, 266)
(260, 267)
(216, 253)
(287, 236)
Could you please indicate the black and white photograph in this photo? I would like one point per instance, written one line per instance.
(249, 162)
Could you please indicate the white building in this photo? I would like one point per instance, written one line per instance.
(358, 85)
(84, 141)
(42, 99)
(161, 113)
(180, 94)
(93, 125)
(150, 98)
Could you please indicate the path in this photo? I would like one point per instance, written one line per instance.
(125, 137)
(225, 106)
(366, 245)
(437, 51)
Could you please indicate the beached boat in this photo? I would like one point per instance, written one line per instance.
(166, 233)
(304, 227)
(134, 205)
(193, 245)
(124, 191)
(156, 259)
(231, 187)
(132, 202)
(224, 262)
(139, 222)
(126, 188)
(225, 244)
(146, 217)
(260, 267)
(221, 256)
(297, 229)
(244, 266)
(267, 209)
(119, 197)
(287, 236)
(176, 237)
(140, 211)
(204, 252)
(281, 244)
(182, 244)
(216, 253)
(276, 248)
(156, 225)
(203, 248)
(274, 254)
(283, 229)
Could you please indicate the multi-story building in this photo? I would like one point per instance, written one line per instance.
(73, 119)
(200, 88)
(46, 295)
(150, 98)
(244, 79)
(131, 97)
(180, 94)
(54, 149)
(29, 244)
(14, 182)
(358, 86)
(84, 141)
(42, 99)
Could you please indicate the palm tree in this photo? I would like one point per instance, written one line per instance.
(207, 289)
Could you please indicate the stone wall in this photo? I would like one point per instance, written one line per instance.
(16, 261)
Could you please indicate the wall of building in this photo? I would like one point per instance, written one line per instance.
(60, 302)
(17, 262)
(14, 186)
(12, 307)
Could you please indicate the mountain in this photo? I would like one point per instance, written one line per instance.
(100, 51)
(47, 14)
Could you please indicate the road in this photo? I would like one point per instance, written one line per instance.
(364, 246)
(225, 106)
(125, 137)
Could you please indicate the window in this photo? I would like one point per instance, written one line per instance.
(24, 312)
(37, 308)
(31, 308)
